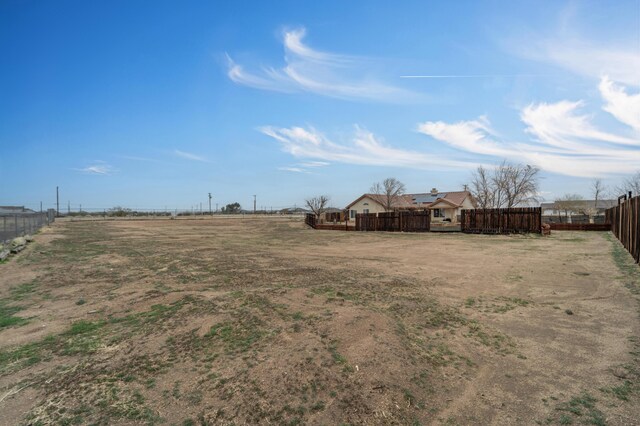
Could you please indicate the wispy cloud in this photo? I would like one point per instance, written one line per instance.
(585, 58)
(321, 73)
(190, 156)
(469, 75)
(304, 166)
(561, 139)
(362, 148)
(293, 169)
(98, 168)
(624, 107)
(564, 140)
(566, 47)
(314, 164)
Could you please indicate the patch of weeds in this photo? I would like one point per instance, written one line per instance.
(332, 294)
(408, 396)
(318, 406)
(470, 302)
(581, 407)
(7, 317)
(82, 338)
(194, 397)
(238, 336)
(149, 320)
(625, 264)
(98, 404)
(80, 302)
(22, 291)
(497, 341)
(511, 303)
(20, 357)
(338, 358)
(621, 392)
(175, 392)
(437, 354)
(514, 277)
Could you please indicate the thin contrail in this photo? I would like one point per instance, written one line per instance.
(471, 76)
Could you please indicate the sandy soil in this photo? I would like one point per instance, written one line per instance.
(264, 321)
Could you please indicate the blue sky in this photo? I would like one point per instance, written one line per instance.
(156, 104)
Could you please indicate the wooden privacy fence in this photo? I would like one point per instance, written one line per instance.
(580, 226)
(310, 219)
(625, 225)
(400, 221)
(517, 220)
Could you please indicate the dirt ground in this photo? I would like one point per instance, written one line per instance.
(264, 321)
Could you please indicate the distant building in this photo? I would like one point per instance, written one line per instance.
(444, 206)
(14, 209)
(578, 207)
(297, 211)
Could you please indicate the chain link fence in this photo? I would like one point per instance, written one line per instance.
(14, 225)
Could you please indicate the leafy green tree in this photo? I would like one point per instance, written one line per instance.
(232, 208)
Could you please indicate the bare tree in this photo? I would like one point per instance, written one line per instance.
(631, 183)
(505, 186)
(389, 191)
(568, 203)
(597, 189)
(482, 188)
(317, 204)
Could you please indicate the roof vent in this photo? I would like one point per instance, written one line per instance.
(434, 191)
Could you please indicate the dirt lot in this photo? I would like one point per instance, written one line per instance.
(258, 321)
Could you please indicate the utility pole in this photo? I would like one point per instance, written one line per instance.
(216, 207)
(200, 209)
(254, 204)
(57, 203)
(40, 206)
(210, 204)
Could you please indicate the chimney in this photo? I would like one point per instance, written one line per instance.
(434, 191)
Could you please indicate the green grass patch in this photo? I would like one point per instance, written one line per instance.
(581, 409)
(238, 336)
(621, 392)
(7, 317)
(23, 291)
(625, 264)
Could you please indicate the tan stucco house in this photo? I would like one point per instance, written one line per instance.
(444, 206)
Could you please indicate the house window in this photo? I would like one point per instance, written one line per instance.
(436, 212)
(365, 211)
(352, 214)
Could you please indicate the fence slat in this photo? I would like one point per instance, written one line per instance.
(400, 221)
(625, 225)
(502, 221)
